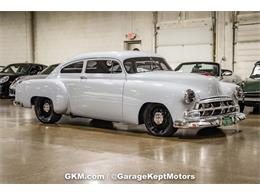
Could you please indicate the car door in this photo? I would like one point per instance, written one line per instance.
(70, 75)
(102, 89)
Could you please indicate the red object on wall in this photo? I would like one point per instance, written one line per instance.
(131, 35)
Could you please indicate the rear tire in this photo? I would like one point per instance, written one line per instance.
(44, 111)
(158, 120)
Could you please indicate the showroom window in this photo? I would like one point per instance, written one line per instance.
(103, 66)
(73, 68)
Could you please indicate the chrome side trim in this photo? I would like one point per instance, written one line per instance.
(249, 99)
(216, 99)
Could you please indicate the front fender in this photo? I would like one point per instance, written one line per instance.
(137, 93)
(228, 88)
(49, 88)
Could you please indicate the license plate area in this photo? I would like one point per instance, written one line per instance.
(228, 120)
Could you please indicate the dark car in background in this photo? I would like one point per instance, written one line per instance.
(1, 68)
(251, 88)
(12, 71)
(41, 75)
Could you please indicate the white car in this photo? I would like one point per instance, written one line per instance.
(131, 87)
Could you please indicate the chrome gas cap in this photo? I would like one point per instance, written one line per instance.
(46, 107)
(158, 118)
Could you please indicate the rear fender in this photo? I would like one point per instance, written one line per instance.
(49, 88)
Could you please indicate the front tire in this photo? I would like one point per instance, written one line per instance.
(158, 120)
(44, 111)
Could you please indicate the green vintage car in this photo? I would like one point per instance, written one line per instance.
(251, 88)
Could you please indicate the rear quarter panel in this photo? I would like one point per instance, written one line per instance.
(53, 89)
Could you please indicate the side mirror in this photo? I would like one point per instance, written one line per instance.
(225, 72)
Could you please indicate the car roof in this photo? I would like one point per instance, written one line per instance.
(25, 64)
(121, 55)
(200, 62)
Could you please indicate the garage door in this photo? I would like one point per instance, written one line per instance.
(247, 44)
(185, 41)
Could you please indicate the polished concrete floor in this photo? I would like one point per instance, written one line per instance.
(31, 152)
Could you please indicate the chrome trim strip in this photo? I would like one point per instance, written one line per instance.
(215, 97)
(251, 99)
(211, 100)
(251, 92)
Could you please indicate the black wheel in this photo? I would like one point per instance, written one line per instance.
(44, 111)
(158, 120)
(242, 107)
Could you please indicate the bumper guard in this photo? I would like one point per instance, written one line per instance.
(210, 121)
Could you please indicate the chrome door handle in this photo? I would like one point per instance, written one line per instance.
(83, 77)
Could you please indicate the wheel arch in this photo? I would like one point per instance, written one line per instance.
(33, 98)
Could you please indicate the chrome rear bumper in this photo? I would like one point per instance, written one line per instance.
(209, 121)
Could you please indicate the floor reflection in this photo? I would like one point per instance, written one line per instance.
(203, 133)
(31, 152)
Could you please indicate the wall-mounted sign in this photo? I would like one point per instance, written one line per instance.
(130, 35)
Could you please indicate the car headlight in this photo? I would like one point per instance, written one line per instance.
(242, 84)
(238, 93)
(4, 79)
(189, 96)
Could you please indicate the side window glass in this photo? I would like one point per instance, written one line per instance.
(116, 68)
(35, 69)
(40, 68)
(73, 68)
(103, 66)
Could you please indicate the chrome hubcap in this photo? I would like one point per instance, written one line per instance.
(46, 107)
(158, 118)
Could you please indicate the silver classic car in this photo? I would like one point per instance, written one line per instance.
(131, 87)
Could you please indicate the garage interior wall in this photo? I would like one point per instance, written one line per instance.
(231, 38)
(224, 39)
(246, 42)
(15, 37)
(60, 35)
(185, 36)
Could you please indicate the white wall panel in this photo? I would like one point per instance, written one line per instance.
(185, 40)
(186, 53)
(224, 39)
(60, 35)
(247, 43)
(15, 37)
